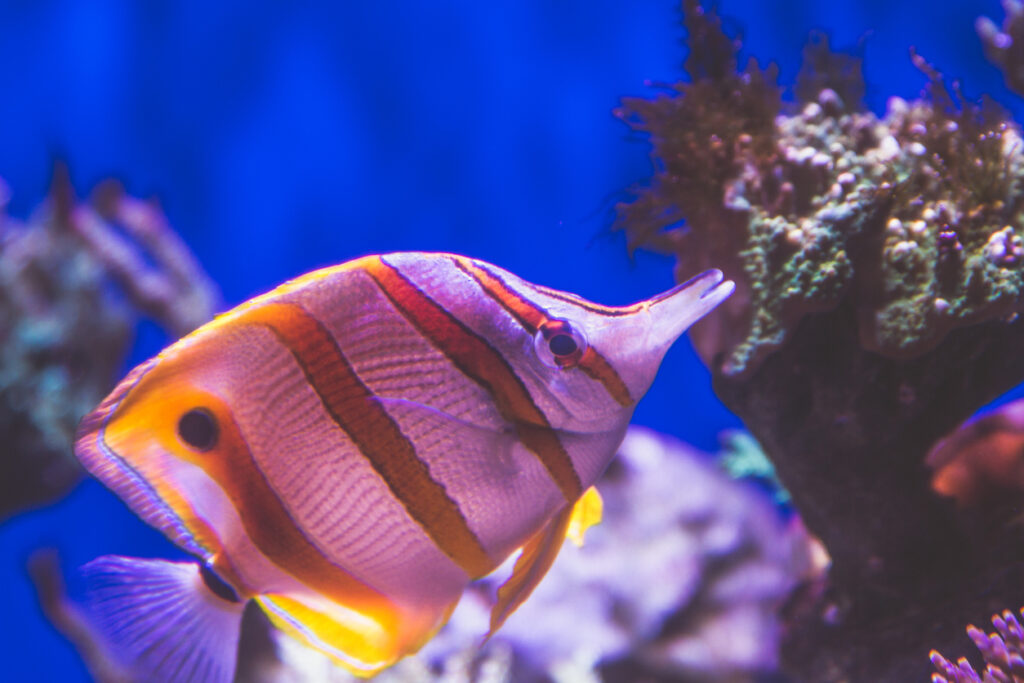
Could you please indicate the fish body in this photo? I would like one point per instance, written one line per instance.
(355, 447)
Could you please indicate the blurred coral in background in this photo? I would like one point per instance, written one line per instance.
(74, 280)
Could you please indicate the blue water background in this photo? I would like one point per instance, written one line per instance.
(282, 137)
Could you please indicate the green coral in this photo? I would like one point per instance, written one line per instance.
(74, 280)
(915, 215)
(743, 458)
(60, 345)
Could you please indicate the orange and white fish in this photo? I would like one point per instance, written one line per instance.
(354, 448)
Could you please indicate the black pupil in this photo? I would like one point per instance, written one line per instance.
(562, 345)
(198, 429)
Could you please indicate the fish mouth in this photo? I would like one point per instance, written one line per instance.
(706, 284)
(674, 311)
(715, 281)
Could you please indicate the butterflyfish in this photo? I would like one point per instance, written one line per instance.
(355, 447)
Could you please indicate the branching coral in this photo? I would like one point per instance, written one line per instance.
(73, 280)
(1003, 652)
(880, 271)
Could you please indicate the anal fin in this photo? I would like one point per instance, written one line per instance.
(363, 644)
(539, 554)
(161, 621)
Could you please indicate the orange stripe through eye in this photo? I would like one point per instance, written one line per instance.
(356, 411)
(532, 318)
(478, 360)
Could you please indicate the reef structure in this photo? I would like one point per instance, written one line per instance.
(879, 267)
(74, 280)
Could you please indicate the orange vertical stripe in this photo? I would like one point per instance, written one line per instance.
(356, 411)
(478, 360)
(532, 318)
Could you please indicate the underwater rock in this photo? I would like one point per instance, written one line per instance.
(74, 279)
(879, 271)
(682, 580)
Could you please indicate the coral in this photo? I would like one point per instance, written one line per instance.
(668, 587)
(1002, 651)
(74, 279)
(743, 458)
(69, 620)
(911, 215)
(879, 271)
(1005, 46)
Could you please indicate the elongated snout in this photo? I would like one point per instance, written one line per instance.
(673, 312)
(644, 332)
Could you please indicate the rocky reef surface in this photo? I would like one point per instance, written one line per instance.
(879, 270)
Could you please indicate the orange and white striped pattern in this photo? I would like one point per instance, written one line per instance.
(387, 431)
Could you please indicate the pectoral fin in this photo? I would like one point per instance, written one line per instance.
(585, 514)
(539, 554)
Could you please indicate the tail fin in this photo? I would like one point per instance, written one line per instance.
(162, 620)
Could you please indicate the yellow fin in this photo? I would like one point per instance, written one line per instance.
(585, 514)
(362, 645)
(538, 555)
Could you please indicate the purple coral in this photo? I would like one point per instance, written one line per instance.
(1002, 651)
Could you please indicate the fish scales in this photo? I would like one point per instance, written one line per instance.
(493, 477)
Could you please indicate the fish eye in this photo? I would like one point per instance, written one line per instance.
(198, 429)
(560, 344)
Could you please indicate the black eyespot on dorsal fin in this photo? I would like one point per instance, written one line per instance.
(217, 585)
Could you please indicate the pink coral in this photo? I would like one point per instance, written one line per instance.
(1002, 651)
